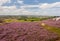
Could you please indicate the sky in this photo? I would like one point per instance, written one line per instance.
(30, 7)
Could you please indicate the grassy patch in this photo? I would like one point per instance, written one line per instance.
(53, 29)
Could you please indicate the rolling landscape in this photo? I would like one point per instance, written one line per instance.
(30, 28)
(29, 20)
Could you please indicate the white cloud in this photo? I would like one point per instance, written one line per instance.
(9, 1)
(12, 10)
(44, 9)
(46, 5)
(20, 1)
(25, 6)
(3, 1)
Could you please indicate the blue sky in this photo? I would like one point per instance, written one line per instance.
(31, 7)
(40, 1)
(29, 2)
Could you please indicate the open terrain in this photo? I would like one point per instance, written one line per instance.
(18, 30)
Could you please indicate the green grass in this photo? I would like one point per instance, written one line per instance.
(53, 29)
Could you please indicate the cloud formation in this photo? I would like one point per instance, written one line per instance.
(3, 1)
(20, 1)
(46, 5)
(38, 9)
